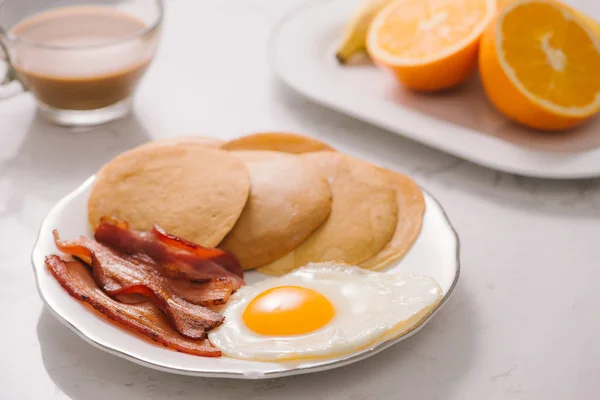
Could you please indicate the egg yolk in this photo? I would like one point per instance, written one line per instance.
(288, 310)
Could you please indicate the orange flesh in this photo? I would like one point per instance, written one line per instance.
(421, 29)
(288, 310)
(552, 56)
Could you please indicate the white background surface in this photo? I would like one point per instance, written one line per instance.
(522, 324)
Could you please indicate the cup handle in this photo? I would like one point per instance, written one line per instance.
(11, 85)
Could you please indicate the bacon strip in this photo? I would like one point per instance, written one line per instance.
(144, 318)
(208, 294)
(179, 258)
(120, 274)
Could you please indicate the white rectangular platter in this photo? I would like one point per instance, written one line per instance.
(461, 122)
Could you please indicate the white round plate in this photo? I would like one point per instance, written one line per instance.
(435, 253)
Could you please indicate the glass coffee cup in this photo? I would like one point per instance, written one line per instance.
(81, 60)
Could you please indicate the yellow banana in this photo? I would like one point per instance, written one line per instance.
(355, 34)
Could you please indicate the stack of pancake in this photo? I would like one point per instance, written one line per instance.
(276, 201)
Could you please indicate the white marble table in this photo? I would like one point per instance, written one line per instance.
(523, 323)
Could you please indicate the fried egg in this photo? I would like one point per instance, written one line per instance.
(322, 310)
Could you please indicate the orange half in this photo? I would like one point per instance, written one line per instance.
(540, 65)
(429, 45)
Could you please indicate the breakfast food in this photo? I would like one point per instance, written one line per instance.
(284, 142)
(192, 191)
(177, 258)
(118, 274)
(321, 217)
(144, 318)
(322, 310)
(429, 45)
(411, 209)
(288, 200)
(162, 269)
(539, 64)
(362, 220)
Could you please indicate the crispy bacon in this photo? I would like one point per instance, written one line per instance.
(119, 274)
(178, 258)
(208, 294)
(144, 318)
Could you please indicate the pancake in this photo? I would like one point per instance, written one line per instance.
(284, 142)
(189, 190)
(362, 220)
(203, 140)
(288, 200)
(411, 209)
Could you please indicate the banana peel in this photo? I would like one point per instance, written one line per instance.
(354, 40)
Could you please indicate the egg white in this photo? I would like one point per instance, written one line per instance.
(369, 307)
